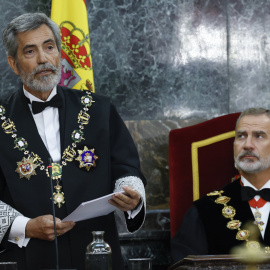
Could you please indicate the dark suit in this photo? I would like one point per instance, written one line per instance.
(204, 228)
(117, 158)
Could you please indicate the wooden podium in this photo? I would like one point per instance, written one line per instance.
(216, 262)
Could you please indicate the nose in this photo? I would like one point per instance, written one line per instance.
(249, 143)
(42, 58)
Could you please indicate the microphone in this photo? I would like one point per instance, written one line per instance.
(54, 220)
(53, 209)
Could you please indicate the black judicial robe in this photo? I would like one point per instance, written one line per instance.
(204, 228)
(117, 158)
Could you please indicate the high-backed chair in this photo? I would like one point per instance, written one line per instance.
(200, 161)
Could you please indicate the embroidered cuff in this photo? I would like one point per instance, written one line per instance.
(7, 216)
(138, 185)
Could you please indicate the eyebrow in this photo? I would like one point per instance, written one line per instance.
(253, 132)
(260, 132)
(50, 40)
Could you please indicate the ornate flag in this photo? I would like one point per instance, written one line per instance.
(71, 16)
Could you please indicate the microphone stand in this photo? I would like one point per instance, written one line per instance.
(54, 221)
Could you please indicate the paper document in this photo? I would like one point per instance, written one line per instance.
(95, 208)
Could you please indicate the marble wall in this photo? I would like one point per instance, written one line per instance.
(167, 64)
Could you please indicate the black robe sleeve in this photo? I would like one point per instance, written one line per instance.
(125, 162)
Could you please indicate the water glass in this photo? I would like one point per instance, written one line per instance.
(140, 264)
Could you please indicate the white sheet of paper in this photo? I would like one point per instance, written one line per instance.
(95, 208)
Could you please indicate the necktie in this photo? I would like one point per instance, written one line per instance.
(38, 107)
(249, 193)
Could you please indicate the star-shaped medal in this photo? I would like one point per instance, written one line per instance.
(26, 168)
(87, 158)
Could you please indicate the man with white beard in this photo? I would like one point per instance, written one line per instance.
(43, 121)
(237, 214)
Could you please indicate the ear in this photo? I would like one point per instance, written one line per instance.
(12, 63)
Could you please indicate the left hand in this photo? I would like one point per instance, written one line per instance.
(126, 201)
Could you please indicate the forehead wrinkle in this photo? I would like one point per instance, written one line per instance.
(264, 125)
(38, 34)
(34, 45)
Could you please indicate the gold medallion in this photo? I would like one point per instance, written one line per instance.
(228, 212)
(222, 200)
(58, 196)
(258, 221)
(68, 154)
(242, 235)
(87, 100)
(21, 144)
(83, 118)
(234, 224)
(56, 171)
(26, 168)
(9, 126)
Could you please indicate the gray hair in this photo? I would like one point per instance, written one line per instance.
(252, 111)
(24, 23)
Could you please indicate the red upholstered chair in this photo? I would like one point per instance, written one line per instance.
(200, 161)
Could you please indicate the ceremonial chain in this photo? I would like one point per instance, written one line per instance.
(230, 212)
(27, 166)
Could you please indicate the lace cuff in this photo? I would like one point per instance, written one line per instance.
(133, 181)
(138, 185)
(7, 216)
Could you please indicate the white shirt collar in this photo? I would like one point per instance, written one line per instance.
(33, 98)
(247, 183)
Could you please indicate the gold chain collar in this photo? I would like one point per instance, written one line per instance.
(229, 212)
(27, 166)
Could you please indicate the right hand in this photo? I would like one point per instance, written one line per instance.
(42, 227)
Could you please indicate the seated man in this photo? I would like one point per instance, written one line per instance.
(237, 214)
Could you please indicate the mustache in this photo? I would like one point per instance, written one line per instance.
(44, 66)
(248, 153)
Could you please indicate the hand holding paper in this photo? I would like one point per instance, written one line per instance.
(127, 201)
(91, 209)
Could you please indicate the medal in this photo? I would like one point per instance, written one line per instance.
(87, 158)
(77, 136)
(56, 171)
(258, 222)
(20, 143)
(222, 200)
(26, 168)
(58, 196)
(228, 212)
(87, 100)
(83, 118)
(242, 235)
(68, 154)
(8, 127)
(234, 224)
